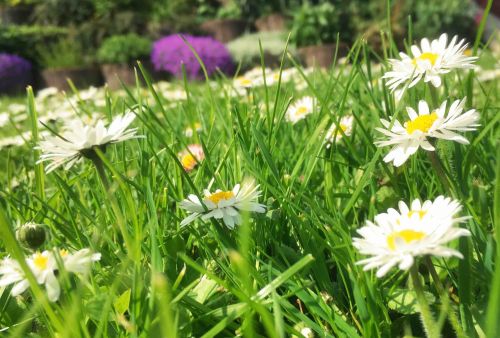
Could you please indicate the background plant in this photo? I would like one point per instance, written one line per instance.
(63, 54)
(317, 24)
(124, 49)
(24, 40)
(448, 16)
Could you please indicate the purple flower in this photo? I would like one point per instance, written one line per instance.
(14, 71)
(171, 52)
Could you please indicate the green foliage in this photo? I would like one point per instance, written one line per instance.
(432, 18)
(123, 49)
(24, 40)
(18, 2)
(64, 12)
(316, 24)
(65, 53)
(230, 10)
(245, 49)
(175, 16)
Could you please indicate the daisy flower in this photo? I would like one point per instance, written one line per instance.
(191, 156)
(334, 133)
(252, 78)
(441, 123)
(12, 273)
(44, 267)
(300, 109)
(189, 131)
(79, 262)
(78, 140)
(429, 62)
(225, 205)
(399, 236)
(244, 82)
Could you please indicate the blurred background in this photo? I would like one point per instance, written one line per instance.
(43, 42)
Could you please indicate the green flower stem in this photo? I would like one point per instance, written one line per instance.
(100, 171)
(452, 316)
(439, 169)
(434, 96)
(99, 165)
(428, 322)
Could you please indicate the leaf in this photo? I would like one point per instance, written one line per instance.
(121, 303)
(205, 288)
(405, 301)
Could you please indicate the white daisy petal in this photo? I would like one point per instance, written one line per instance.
(424, 125)
(78, 138)
(225, 205)
(429, 62)
(397, 238)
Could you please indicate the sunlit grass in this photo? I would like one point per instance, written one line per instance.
(290, 268)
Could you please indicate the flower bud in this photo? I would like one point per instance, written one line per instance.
(31, 235)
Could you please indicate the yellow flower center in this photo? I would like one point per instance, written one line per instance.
(422, 123)
(431, 57)
(244, 81)
(40, 261)
(302, 110)
(216, 197)
(343, 127)
(421, 213)
(188, 161)
(406, 235)
(63, 253)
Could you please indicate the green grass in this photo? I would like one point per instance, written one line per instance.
(290, 268)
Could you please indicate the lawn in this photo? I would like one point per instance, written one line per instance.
(290, 268)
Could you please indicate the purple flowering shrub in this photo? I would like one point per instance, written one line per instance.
(171, 52)
(15, 73)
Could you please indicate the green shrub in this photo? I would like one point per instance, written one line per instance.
(246, 50)
(317, 24)
(63, 54)
(231, 10)
(123, 49)
(25, 40)
(431, 18)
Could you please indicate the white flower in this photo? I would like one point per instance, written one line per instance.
(307, 332)
(42, 94)
(398, 237)
(17, 108)
(188, 132)
(78, 139)
(300, 109)
(429, 62)
(43, 265)
(79, 262)
(244, 82)
(191, 156)
(18, 140)
(225, 205)
(407, 138)
(4, 119)
(175, 94)
(286, 76)
(11, 273)
(334, 133)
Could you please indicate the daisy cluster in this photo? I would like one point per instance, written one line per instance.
(394, 238)
(44, 266)
(398, 237)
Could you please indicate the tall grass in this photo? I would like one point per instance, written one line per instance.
(291, 268)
